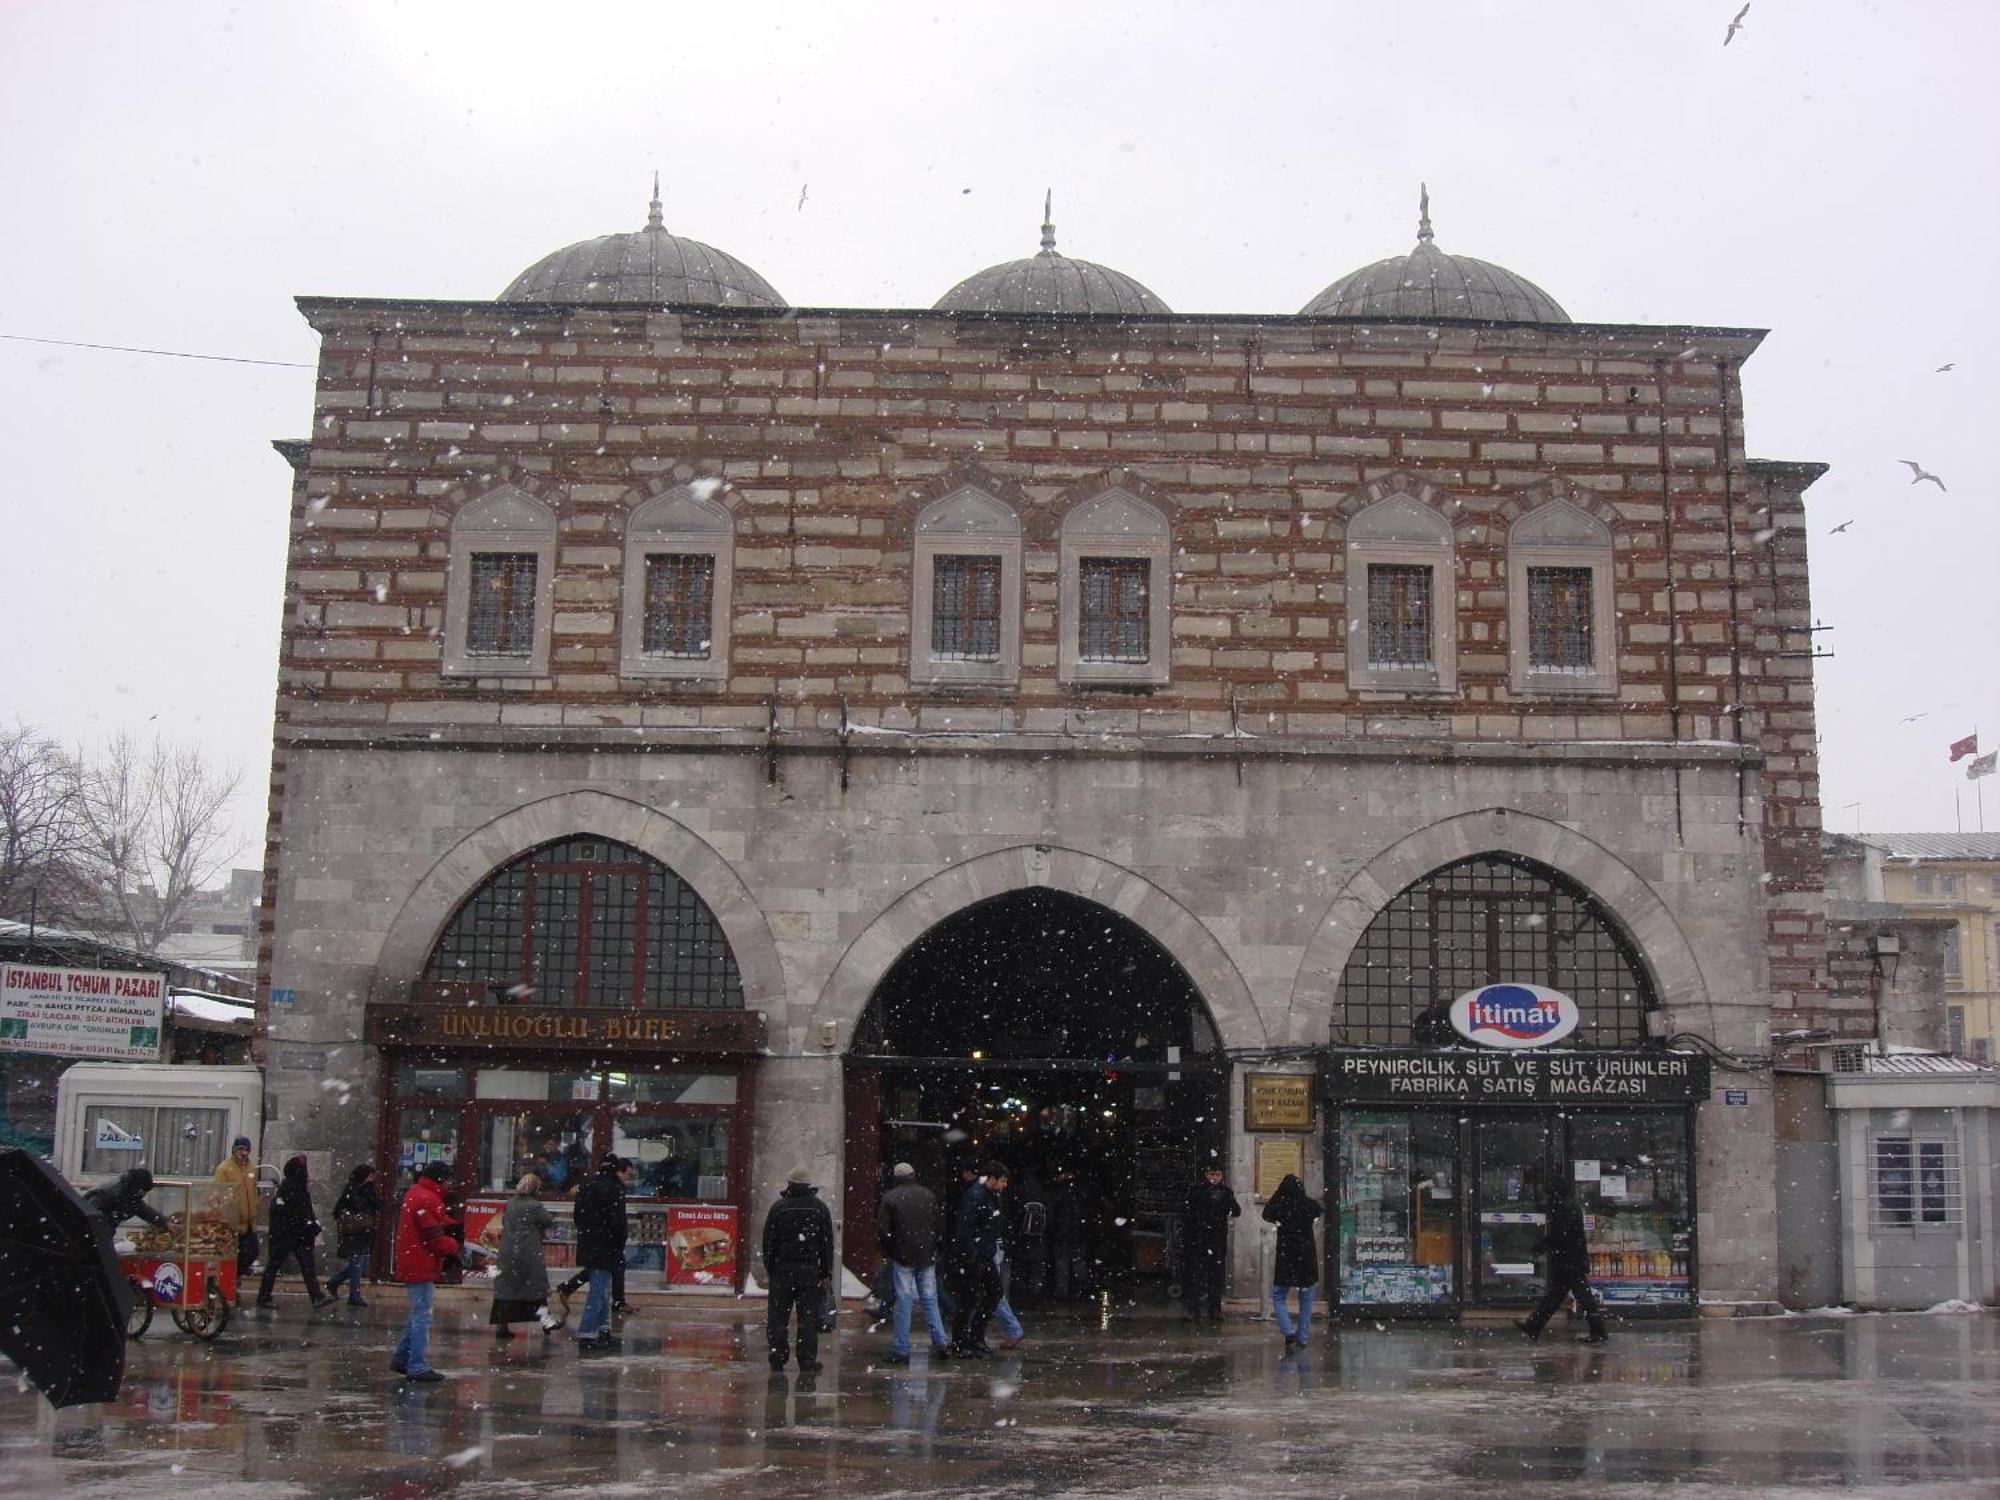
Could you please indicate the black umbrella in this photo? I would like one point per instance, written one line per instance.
(63, 1298)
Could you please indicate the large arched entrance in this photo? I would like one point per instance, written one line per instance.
(1052, 1033)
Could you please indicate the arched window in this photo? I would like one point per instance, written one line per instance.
(1116, 591)
(1402, 605)
(965, 592)
(586, 922)
(679, 571)
(1559, 603)
(1491, 919)
(500, 592)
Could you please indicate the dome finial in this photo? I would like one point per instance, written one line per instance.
(1424, 235)
(653, 218)
(1049, 223)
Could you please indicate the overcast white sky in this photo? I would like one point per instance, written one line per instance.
(176, 173)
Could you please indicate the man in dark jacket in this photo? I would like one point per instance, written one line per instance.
(1568, 1247)
(124, 1197)
(294, 1229)
(980, 1251)
(600, 1246)
(798, 1261)
(1205, 1242)
(906, 1229)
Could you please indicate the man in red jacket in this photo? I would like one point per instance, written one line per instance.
(423, 1243)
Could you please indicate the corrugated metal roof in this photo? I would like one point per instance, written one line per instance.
(1910, 1062)
(1937, 845)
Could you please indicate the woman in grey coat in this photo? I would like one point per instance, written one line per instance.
(522, 1287)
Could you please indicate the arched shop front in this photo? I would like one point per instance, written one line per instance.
(1442, 1143)
(582, 1000)
(1054, 1034)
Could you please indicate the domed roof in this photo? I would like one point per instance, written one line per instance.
(1427, 283)
(646, 266)
(1050, 283)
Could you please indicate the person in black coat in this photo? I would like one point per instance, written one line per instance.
(1294, 1212)
(124, 1197)
(601, 1232)
(355, 1214)
(798, 1263)
(294, 1227)
(1205, 1242)
(1568, 1247)
(979, 1252)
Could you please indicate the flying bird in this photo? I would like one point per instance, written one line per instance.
(1943, 367)
(1913, 718)
(1840, 528)
(1736, 25)
(802, 194)
(1918, 474)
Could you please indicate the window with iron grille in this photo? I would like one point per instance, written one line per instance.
(1490, 920)
(589, 922)
(1560, 620)
(1112, 609)
(1915, 1182)
(500, 615)
(1399, 615)
(965, 608)
(680, 595)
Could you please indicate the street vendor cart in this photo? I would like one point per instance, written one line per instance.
(188, 1266)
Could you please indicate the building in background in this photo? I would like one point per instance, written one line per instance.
(1051, 726)
(1955, 876)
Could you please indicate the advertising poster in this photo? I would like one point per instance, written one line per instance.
(702, 1246)
(103, 1013)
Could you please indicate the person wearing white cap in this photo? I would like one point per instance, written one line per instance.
(906, 1229)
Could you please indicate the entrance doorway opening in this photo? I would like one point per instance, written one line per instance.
(1048, 1032)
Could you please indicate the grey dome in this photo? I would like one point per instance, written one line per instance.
(1427, 283)
(647, 266)
(1050, 283)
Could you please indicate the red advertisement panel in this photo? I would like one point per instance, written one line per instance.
(702, 1248)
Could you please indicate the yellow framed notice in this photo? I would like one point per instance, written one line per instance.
(1278, 1101)
(1276, 1160)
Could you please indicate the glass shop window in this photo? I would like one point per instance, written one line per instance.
(424, 1136)
(425, 1081)
(1397, 1209)
(1631, 1176)
(555, 1147)
(168, 1140)
(677, 1158)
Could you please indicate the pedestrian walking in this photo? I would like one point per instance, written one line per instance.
(798, 1266)
(1568, 1247)
(236, 1204)
(980, 1253)
(356, 1212)
(1294, 1211)
(423, 1245)
(1205, 1242)
(521, 1289)
(124, 1197)
(906, 1229)
(294, 1229)
(601, 1231)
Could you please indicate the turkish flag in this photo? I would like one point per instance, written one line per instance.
(1962, 748)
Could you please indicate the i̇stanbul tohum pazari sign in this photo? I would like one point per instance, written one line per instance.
(105, 1013)
(1411, 1076)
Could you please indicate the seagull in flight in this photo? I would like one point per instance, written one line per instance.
(1913, 718)
(1918, 474)
(1840, 528)
(1736, 25)
(802, 194)
(1942, 368)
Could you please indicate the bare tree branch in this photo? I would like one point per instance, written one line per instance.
(39, 827)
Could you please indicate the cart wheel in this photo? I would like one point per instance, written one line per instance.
(141, 1316)
(206, 1321)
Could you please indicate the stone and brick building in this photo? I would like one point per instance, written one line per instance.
(745, 735)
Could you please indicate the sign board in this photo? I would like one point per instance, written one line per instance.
(607, 1034)
(702, 1246)
(108, 1137)
(284, 997)
(1736, 1096)
(1453, 1078)
(106, 1013)
(1277, 1101)
(1514, 1015)
(1277, 1160)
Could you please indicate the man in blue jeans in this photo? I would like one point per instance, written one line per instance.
(906, 1230)
(600, 1246)
(423, 1244)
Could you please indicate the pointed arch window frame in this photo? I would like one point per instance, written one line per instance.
(1399, 530)
(503, 520)
(1118, 526)
(677, 523)
(1561, 534)
(966, 522)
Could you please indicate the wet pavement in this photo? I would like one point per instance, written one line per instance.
(292, 1404)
